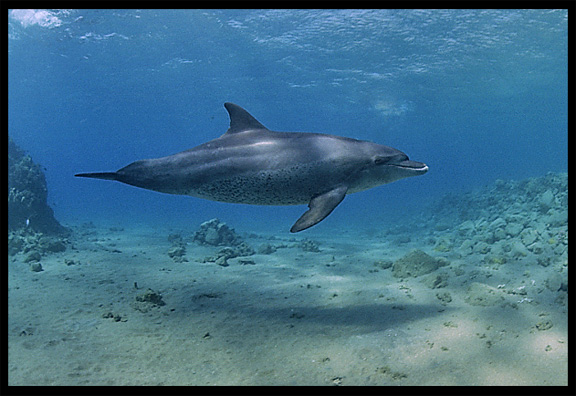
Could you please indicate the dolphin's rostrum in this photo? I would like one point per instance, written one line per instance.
(252, 165)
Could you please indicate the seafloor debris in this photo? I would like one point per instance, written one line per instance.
(223, 255)
(177, 251)
(484, 295)
(309, 245)
(216, 233)
(147, 300)
(416, 263)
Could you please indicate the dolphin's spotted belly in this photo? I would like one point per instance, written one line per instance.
(289, 186)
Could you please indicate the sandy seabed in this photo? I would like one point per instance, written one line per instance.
(290, 317)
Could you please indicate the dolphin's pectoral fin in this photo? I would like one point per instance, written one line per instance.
(320, 207)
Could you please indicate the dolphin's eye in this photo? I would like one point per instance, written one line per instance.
(390, 159)
(381, 160)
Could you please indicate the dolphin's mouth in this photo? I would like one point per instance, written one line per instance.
(414, 166)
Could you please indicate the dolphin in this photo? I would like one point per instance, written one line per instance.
(251, 164)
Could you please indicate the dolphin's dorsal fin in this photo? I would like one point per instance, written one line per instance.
(241, 120)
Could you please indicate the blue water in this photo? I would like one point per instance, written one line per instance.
(477, 95)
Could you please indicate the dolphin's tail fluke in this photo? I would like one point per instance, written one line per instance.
(99, 175)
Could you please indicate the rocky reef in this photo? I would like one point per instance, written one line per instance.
(509, 221)
(502, 223)
(32, 228)
(27, 195)
(511, 225)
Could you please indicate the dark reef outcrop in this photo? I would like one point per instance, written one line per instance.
(27, 195)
